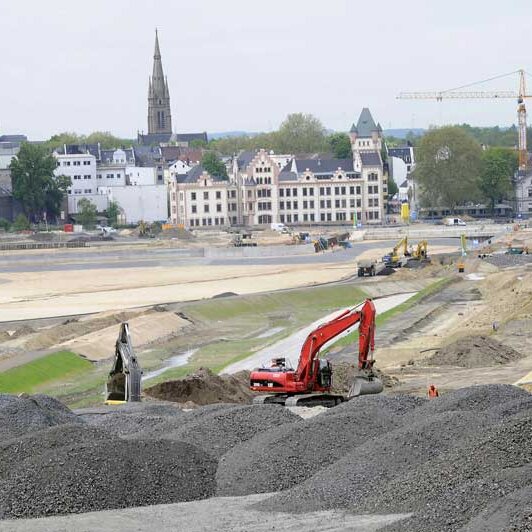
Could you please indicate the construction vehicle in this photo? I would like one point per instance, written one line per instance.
(243, 240)
(393, 259)
(421, 251)
(124, 381)
(517, 249)
(366, 267)
(310, 383)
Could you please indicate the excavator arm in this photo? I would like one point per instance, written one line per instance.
(124, 380)
(330, 330)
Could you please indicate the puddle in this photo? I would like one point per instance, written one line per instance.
(270, 332)
(172, 362)
(474, 277)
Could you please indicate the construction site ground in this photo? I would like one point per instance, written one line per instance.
(435, 326)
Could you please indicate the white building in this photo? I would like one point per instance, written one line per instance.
(103, 176)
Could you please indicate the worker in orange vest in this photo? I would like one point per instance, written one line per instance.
(433, 392)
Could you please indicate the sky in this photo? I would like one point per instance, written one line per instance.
(245, 64)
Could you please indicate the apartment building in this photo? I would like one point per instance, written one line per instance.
(265, 188)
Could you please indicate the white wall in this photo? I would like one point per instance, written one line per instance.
(143, 202)
(140, 175)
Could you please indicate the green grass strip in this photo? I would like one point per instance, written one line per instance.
(28, 377)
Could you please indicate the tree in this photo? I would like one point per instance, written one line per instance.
(198, 143)
(34, 183)
(112, 212)
(212, 164)
(393, 189)
(21, 223)
(340, 145)
(87, 212)
(448, 167)
(498, 167)
(301, 133)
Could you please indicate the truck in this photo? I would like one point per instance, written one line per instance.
(280, 228)
(453, 221)
(366, 267)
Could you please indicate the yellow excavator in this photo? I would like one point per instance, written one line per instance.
(393, 259)
(463, 253)
(421, 250)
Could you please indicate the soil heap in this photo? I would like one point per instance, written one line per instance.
(473, 352)
(204, 387)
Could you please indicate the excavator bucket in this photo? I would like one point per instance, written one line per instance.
(124, 380)
(364, 386)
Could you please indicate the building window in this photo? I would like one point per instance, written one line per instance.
(194, 209)
(218, 194)
(337, 204)
(219, 207)
(282, 218)
(205, 195)
(206, 207)
(66, 163)
(86, 177)
(322, 191)
(295, 205)
(312, 217)
(86, 163)
(322, 204)
(281, 205)
(312, 204)
(193, 196)
(328, 191)
(281, 192)
(305, 204)
(294, 192)
(311, 192)
(304, 191)
(296, 218)
(287, 192)
(343, 191)
(288, 205)
(322, 216)
(328, 203)
(337, 190)
(329, 217)
(99, 176)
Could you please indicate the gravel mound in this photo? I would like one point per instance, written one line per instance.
(473, 352)
(101, 474)
(286, 456)
(381, 404)
(219, 431)
(512, 513)
(475, 398)
(361, 474)
(479, 469)
(21, 415)
(204, 387)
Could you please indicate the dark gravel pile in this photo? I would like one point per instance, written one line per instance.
(506, 261)
(362, 473)
(451, 488)
(143, 419)
(69, 476)
(21, 415)
(287, 455)
(381, 404)
(220, 430)
(474, 398)
(510, 513)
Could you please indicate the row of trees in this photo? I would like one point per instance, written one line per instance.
(452, 169)
(299, 133)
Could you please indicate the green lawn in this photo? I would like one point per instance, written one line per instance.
(42, 371)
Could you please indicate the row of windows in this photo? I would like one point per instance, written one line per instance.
(79, 191)
(373, 202)
(341, 191)
(373, 177)
(264, 180)
(265, 206)
(82, 177)
(373, 189)
(265, 169)
(193, 195)
(108, 176)
(206, 208)
(75, 163)
(206, 221)
(263, 193)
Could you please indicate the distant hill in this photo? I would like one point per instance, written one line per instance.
(402, 133)
(225, 134)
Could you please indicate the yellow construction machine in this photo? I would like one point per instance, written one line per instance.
(421, 250)
(463, 253)
(393, 259)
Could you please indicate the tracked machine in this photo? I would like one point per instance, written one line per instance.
(124, 381)
(310, 383)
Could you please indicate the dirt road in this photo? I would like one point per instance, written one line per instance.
(220, 514)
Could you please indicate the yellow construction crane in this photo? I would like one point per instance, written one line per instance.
(393, 259)
(457, 93)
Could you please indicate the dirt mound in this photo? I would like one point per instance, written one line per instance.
(22, 331)
(473, 352)
(22, 415)
(344, 372)
(204, 387)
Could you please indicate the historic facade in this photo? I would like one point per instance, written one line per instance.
(301, 190)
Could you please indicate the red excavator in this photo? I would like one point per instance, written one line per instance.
(310, 383)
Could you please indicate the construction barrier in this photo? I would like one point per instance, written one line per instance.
(14, 246)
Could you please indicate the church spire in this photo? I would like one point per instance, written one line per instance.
(159, 117)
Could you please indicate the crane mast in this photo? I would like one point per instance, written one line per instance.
(520, 96)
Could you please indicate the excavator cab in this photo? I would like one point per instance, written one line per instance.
(124, 380)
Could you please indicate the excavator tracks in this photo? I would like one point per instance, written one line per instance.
(327, 400)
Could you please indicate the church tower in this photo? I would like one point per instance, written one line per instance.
(159, 116)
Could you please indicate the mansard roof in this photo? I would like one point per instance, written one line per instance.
(323, 166)
(195, 173)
